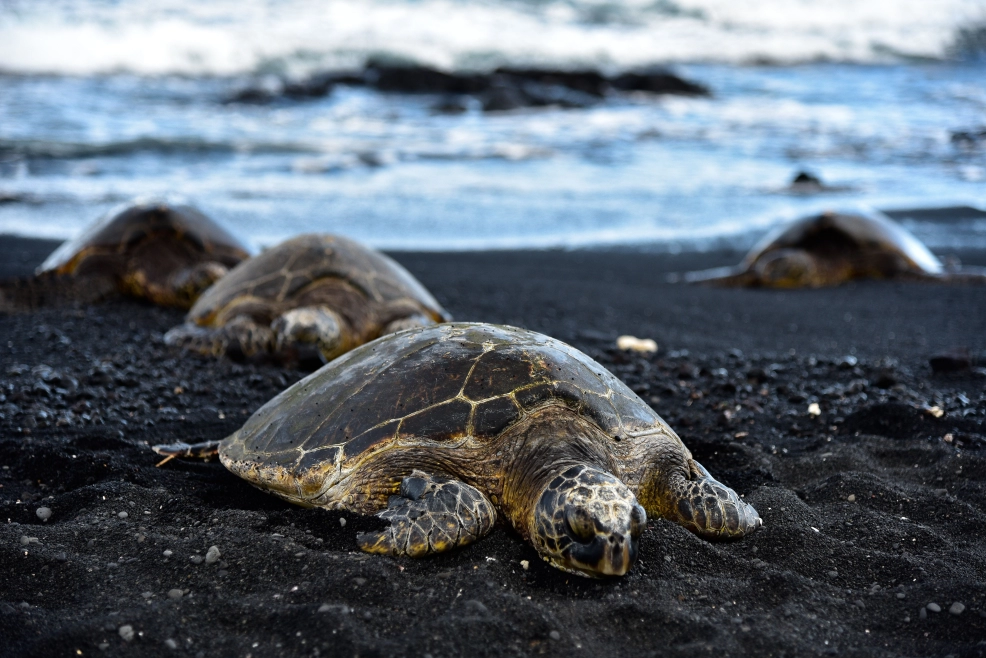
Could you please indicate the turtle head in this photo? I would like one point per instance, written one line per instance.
(587, 522)
(787, 268)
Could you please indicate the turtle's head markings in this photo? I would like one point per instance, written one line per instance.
(588, 522)
(787, 268)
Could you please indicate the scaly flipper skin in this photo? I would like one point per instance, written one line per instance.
(431, 515)
(180, 450)
(707, 507)
(241, 337)
(410, 322)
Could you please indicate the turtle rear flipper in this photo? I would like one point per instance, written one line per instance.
(205, 450)
(431, 515)
(709, 508)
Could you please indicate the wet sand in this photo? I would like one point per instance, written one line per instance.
(874, 509)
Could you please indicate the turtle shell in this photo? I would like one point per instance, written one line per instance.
(276, 275)
(446, 383)
(834, 233)
(106, 246)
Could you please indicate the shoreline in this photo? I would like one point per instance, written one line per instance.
(551, 291)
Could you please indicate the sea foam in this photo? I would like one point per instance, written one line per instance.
(230, 37)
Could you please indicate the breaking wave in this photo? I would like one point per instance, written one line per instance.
(295, 37)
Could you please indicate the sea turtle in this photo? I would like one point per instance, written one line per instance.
(167, 254)
(444, 430)
(312, 297)
(830, 249)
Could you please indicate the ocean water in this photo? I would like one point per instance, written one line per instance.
(105, 101)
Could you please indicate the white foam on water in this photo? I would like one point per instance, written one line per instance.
(226, 37)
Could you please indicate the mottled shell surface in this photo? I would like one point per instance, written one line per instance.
(872, 232)
(451, 383)
(281, 272)
(118, 232)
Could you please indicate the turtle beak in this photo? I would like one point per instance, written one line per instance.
(611, 552)
(611, 555)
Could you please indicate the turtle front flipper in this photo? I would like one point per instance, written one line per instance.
(430, 515)
(707, 507)
(738, 277)
(239, 338)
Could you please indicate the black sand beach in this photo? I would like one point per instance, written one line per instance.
(874, 541)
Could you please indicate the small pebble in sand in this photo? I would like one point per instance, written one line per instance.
(197, 559)
(171, 644)
(635, 344)
(123, 515)
(174, 594)
(44, 513)
(127, 632)
(922, 614)
(525, 565)
(342, 522)
(833, 574)
(25, 540)
(957, 608)
(814, 409)
(851, 498)
(554, 635)
(901, 595)
(147, 595)
(933, 607)
(212, 555)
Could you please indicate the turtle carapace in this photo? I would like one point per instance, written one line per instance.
(166, 254)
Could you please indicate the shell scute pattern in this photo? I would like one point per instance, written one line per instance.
(494, 416)
(287, 270)
(439, 422)
(411, 386)
(119, 231)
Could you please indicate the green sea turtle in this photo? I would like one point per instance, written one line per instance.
(833, 248)
(167, 254)
(312, 297)
(442, 431)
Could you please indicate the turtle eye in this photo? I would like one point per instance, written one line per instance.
(638, 520)
(579, 522)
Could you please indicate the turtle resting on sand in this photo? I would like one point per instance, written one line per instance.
(833, 248)
(442, 431)
(312, 297)
(167, 254)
